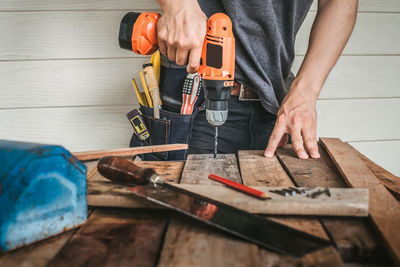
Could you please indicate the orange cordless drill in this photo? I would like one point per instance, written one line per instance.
(138, 33)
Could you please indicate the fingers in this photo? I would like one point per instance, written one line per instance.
(297, 142)
(284, 140)
(171, 52)
(194, 60)
(274, 140)
(181, 56)
(311, 143)
(162, 46)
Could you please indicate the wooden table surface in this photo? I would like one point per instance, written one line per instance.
(157, 237)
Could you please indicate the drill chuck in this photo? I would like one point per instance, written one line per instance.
(217, 95)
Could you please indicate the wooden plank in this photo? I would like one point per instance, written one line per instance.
(189, 244)
(38, 254)
(113, 237)
(92, 34)
(324, 257)
(204, 164)
(350, 119)
(351, 77)
(91, 168)
(354, 238)
(371, 35)
(383, 152)
(104, 193)
(384, 209)
(341, 202)
(77, 129)
(257, 170)
(125, 152)
(52, 83)
(389, 180)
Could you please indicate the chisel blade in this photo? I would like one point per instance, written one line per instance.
(261, 231)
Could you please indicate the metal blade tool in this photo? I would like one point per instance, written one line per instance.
(250, 227)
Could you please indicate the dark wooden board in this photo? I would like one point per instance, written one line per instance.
(354, 238)
(384, 208)
(388, 179)
(115, 237)
(102, 192)
(37, 254)
(256, 170)
(193, 244)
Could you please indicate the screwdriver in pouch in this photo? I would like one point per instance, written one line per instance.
(190, 92)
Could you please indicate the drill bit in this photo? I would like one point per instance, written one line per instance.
(216, 142)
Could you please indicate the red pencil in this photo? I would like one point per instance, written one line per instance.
(242, 188)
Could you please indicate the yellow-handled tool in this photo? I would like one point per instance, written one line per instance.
(156, 61)
(146, 90)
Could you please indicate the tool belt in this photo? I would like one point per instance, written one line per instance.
(244, 93)
(172, 127)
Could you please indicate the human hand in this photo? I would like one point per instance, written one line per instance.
(181, 30)
(297, 117)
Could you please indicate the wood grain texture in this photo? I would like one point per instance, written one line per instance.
(190, 244)
(91, 168)
(85, 30)
(104, 193)
(342, 202)
(384, 209)
(389, 180)
(253, 165)
(323, 257)
(114, 238)
(38, 254)
(385, 153)
(257, 170)
(354, 238)
(204, 164)
(125, 152)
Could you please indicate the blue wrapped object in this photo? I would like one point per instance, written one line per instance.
(42, 192)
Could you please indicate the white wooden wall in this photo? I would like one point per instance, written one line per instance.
(64, 80)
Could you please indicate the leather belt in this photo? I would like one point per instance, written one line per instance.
(244, 93)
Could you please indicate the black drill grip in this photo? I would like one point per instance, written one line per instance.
(124, 171)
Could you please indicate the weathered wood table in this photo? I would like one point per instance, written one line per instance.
(150, 236)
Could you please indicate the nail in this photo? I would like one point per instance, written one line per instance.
(303, 155)
(315, 154)
(268, 153)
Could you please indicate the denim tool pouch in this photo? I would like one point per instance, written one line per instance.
(172, 127)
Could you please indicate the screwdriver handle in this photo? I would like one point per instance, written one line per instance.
(124, 171)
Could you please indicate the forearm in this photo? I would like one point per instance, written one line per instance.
(331, 30)
(169, 4)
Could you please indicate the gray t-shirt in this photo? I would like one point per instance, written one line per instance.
(265, 32)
